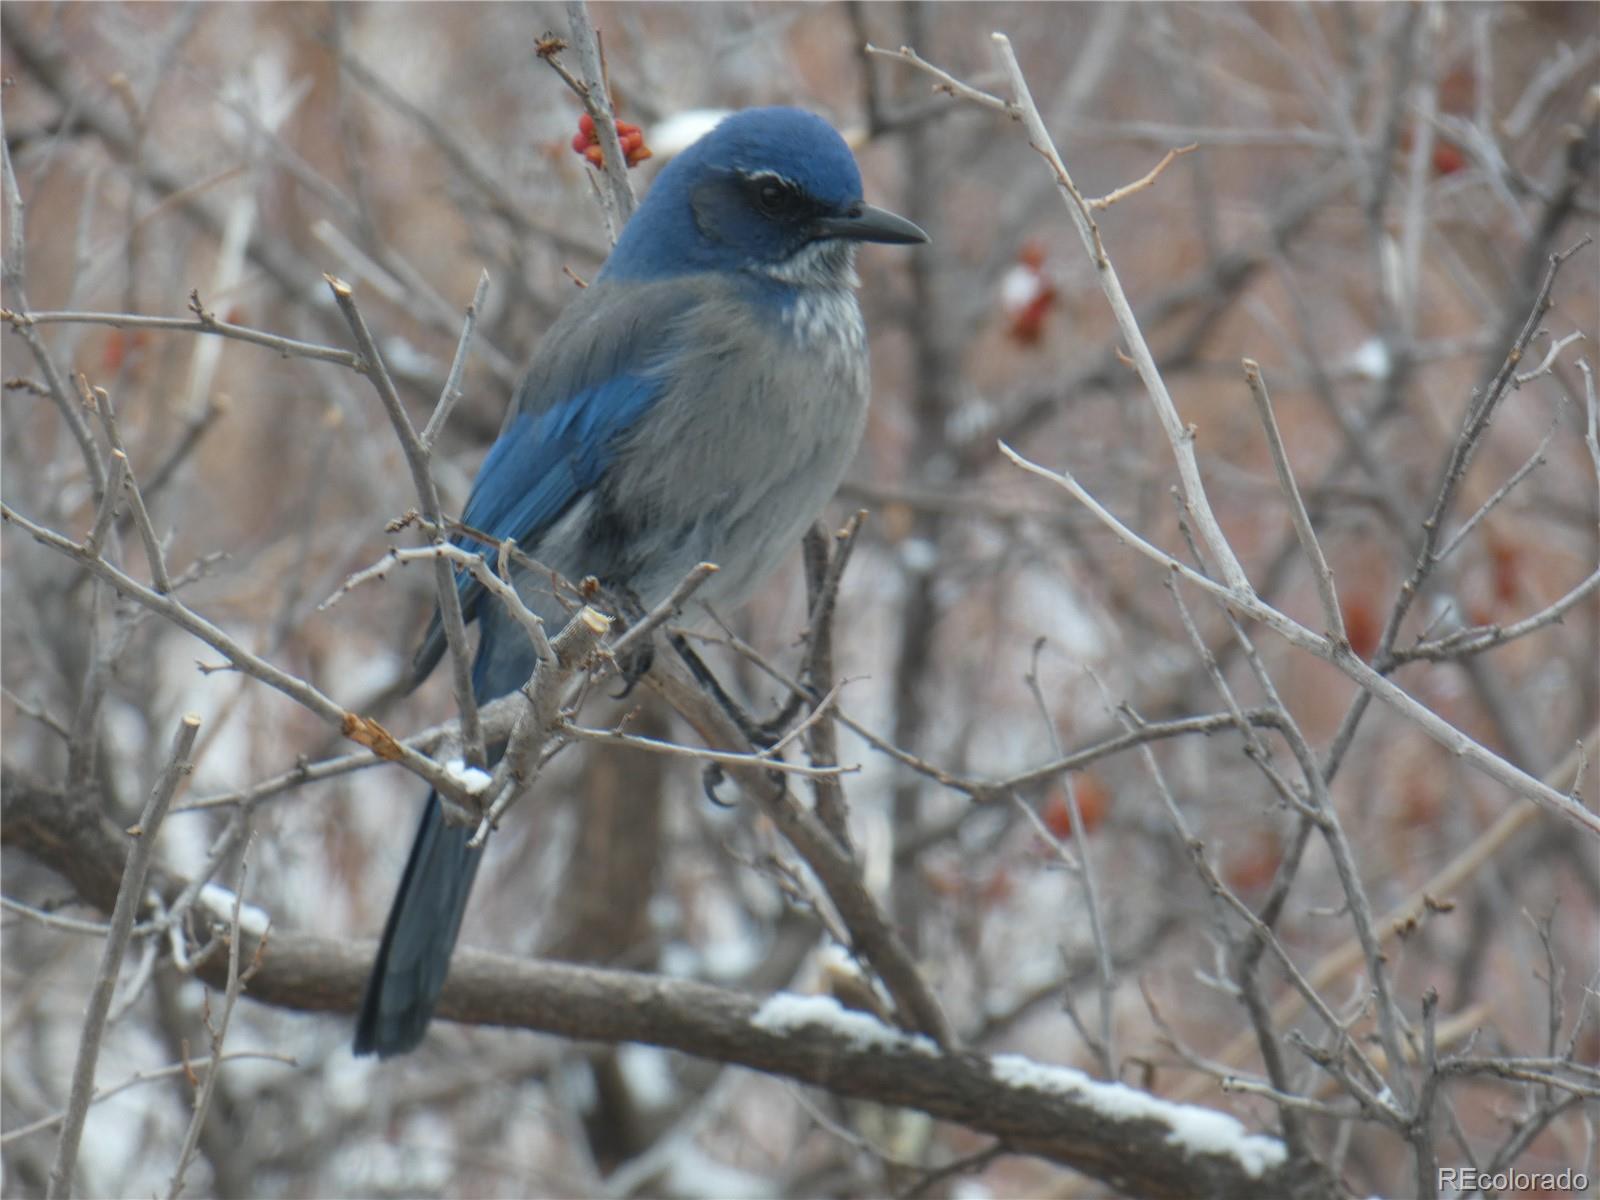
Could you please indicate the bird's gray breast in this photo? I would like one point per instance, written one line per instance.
(761, 413)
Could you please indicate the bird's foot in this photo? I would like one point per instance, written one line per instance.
(773, 730)
(750, 729)
(634, 663)
(712, 778)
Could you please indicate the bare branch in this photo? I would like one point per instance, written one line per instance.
(1591, 406)
(1467, 748)
(616, 194)
(417, 458)
(350, 724)
(219, 1034)
(764, 758)
(1406, 915)
(13, 269)
(874, 937)
(155, 557)
(129, 897)
(185, 1069)
(1179, 436)
(1143, 182)
(1536, 459)
(1303, 530)
(945, 82)
(451, 392)
(1464, 642)
(1091, 882)
(204, 323)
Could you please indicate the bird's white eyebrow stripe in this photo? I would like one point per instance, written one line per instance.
(753, 176)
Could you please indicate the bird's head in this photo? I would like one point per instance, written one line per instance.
(770, 191)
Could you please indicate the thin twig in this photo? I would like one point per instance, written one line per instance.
(498, 718)
(1464, 642)
(185, 1069)
(1545, 365)
(13, 269)
(824, 574)
(1591, 430)
(109, 500)
(1480, 411)
(641, 629)
(352, 725)
(1536, 459)
(38, 712)
(1405, 915)
(763, 758)
(502, 201)
(56, 920)
(451, 392)
(129, 896)
(205, 323)
(1303, 529)
(1138, 185)
(616, 194)
(540, 719)
(1195, 849)
(946, 82)
(1478, 756)
(208, 1081)
(1179, 436)
(969, 1164)
(873, 938)
(155, 557)
(418, 459)
(1087, 873)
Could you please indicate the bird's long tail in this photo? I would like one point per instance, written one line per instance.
(414, 956)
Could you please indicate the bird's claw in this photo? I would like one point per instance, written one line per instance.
(634, 665)
(711, 779)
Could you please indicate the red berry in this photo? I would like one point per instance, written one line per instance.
(1361, 625)
(1093, 801)
(629, 136)
(1447, 158)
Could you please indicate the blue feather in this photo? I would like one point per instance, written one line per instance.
(544, 462)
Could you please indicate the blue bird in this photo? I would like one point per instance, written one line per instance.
(699, 402)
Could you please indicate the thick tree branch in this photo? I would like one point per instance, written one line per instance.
(1122, 1137)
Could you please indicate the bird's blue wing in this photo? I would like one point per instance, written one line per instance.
(542, 463)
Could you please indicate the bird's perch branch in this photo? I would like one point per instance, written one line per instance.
(418, 458)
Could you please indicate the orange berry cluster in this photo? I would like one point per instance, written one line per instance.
(634, 151)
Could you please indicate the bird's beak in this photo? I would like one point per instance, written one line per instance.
(868, 224)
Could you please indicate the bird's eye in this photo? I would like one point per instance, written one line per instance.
(773, 197)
